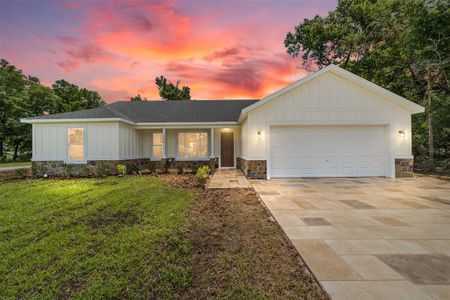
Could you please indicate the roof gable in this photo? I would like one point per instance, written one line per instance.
(394, 98)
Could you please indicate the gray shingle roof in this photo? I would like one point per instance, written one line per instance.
(161, 111)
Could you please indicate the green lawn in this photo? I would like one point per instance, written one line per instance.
(91, 238)
(15, 164)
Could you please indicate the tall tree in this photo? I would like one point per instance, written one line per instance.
(20, 97)
(402, 45)
(170, 91)
(24, 96)
(73, 98)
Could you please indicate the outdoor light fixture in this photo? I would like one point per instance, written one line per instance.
(402, 133)
(259, 133)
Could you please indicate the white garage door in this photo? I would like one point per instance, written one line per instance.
(327, 151)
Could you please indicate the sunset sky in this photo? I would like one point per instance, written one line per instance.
(220, 49)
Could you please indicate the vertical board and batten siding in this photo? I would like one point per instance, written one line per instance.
(244, 140)
(131, 144)
(328, 100)
(50, 141)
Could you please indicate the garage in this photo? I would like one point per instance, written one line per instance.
(327, 151)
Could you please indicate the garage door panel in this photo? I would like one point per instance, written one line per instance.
(327, 151)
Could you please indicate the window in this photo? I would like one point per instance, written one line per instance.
(192, 145)
(75, 144)
(158, 145)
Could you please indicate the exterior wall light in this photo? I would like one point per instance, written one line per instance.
(259, 133)
(402, 133)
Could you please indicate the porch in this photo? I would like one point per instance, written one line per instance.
(182, 147)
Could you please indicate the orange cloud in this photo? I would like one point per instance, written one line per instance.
(219, 49)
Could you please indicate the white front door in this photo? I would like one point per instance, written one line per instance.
(327, 151)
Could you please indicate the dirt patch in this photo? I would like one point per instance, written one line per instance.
(238, 251)
(103, 217)
(185, 181)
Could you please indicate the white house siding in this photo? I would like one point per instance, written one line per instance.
(328, 100)
(50, 141)
(130, 142)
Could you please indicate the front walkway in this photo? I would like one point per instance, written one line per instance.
(228, 179)
(368, 238)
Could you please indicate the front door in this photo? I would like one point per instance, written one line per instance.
(227, 149)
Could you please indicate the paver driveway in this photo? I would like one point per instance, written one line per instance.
(368, 238)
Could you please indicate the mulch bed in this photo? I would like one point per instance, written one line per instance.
(238, 251)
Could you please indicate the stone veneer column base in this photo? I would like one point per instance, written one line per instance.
(403, 167)
(253, 169)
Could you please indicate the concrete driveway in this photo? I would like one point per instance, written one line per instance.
(368, 238)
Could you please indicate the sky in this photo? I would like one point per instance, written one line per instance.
(220, 49)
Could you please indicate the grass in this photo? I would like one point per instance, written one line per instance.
(143, 238)
(89, 238)
(15, 164)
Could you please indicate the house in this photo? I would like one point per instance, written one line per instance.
(329, 124)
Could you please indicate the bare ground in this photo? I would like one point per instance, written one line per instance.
(238, 251)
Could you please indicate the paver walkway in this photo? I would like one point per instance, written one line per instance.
(228, 179)
(368, 238)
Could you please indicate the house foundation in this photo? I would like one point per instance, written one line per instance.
(109, 167)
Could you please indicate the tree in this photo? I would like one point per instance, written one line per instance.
(170, 91)
(138, 98)
(24, 96)
(401, 45)
(73, 98)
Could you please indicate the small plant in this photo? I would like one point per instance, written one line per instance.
(152, 167)
(102, 171)
(21, 173)
(85, 172)
(194, 170)
(134, 169)
(68, 170)
(180, 170)
(202, 175)
(121, 169)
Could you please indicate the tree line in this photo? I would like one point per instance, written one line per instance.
(401, 45)
(23, 96)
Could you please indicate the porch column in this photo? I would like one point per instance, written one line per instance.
(212, 143)
(164, 143)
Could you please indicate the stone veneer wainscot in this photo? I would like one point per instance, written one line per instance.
(404, 167)
(253, 169)
(92, 168)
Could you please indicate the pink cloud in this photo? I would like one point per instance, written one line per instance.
(220, 49)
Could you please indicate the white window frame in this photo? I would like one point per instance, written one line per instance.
(206, 157)
(84, 160)
(163, 148)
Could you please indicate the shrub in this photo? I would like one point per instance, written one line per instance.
(152, 167)
(121, 169)
(85, 172)
(102, 170)
(180, 170)
(134, 169)
(68, 170)
(21, 172)
(202, 175)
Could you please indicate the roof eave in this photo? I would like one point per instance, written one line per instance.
(412, 107)
(84, 120)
